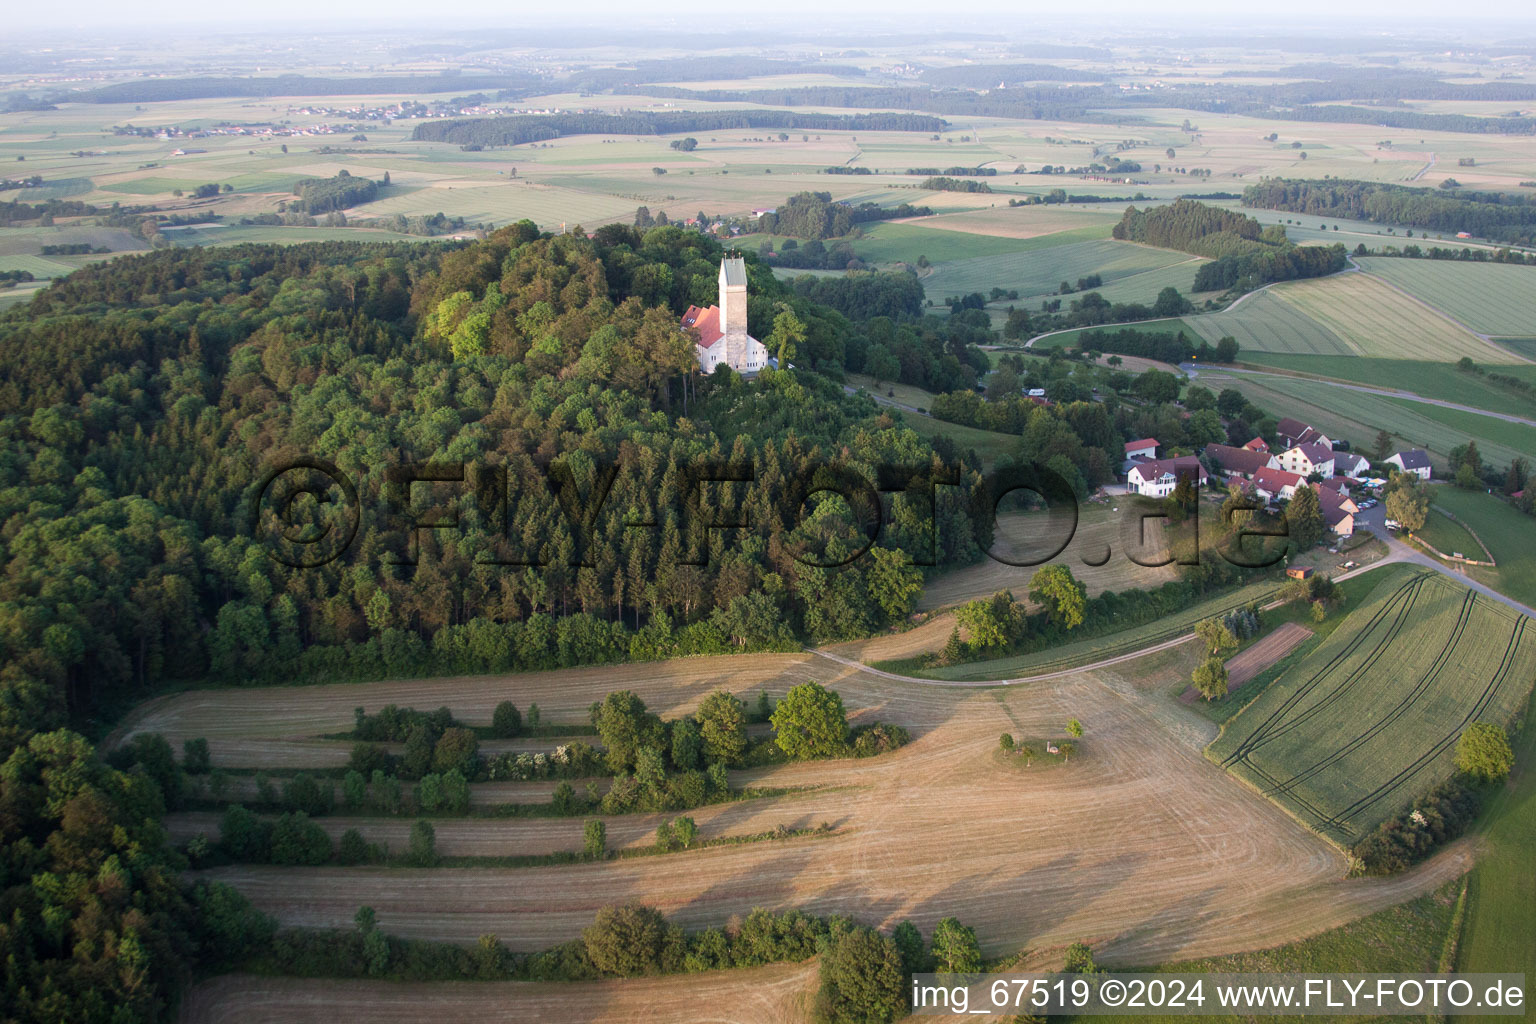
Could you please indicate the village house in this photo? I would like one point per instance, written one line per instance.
(1338, 510)
(1258, 444)
(1351, 465)
(1292, 432)
(1240, 462)
(1306, 459)
(1277, 484)
(722, 328)
(1411, 461)
(1156, 478)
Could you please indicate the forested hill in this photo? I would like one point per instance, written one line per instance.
(1244, 254)
(142, 399)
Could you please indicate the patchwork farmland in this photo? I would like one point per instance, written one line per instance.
(1370, 718)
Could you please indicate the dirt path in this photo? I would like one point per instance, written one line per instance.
(1257, 658)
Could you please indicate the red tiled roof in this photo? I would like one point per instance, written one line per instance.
(1146, 442)
(707, 322)
(1258, 444)
(1238, 460)
(1275, 480)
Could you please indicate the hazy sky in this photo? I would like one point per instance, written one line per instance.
(877, 16)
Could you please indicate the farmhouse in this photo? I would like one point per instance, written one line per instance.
(1411, 461)
(722, 329)
(1277, 484)
(1258, 444)
(1309, 458)
(1146, 448)
(1351, 465)
(1156, 478)
(1338, 510)
(1240, 462)
(1293, 432)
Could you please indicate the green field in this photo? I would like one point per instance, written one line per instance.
(1490, 298)
(1432, 380)
(893, 243)
(1408, 938)
(1357, 416)
(1349, 314)
(1509, 533)
(1130, 272)
(1449, 536)
(1500, 930)
(1370, 718)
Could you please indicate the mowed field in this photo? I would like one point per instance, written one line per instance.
(1443, 381)
(1357, 416)
(1129, 271)
(1491, 298)
(1370, 718)
(1029, 536)
(1115, 848)
(1351, 314)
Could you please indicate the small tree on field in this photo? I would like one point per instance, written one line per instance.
(506, 721)
(1483, 752)
(1054, 587)
(723, 726)
(1217, 635)
(955, 950)
(1005, 742)
(594, 840)
(1080, 959)
(810, 722)
(423, 849)
(627, 941)
(1074, 728)
(685, 832)
(1210, 678)
(861, 980)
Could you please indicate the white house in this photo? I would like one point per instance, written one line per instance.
(1156, 478)
(1411, 461)
(1306, 459)
(722, 329)
(1351, 465)
(1146, 448)
(1277, 484)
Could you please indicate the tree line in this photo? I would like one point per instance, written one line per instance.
(1244, 253)
(1501, 216)
(512, 131)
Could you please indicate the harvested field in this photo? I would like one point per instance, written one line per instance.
(777, 994)
(1134, 824)
(1256, 659)
(1026, 536)
(1265, 653)
(1370, 718)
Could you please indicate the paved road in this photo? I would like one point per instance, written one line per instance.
(1193, 371)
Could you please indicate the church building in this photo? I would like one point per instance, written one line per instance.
(722, 329)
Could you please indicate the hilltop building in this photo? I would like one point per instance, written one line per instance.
(722, 328)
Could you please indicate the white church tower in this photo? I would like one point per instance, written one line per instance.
(722, 328)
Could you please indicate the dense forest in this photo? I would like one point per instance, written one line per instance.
(512, 131)
(1244, 254)
(1498, 216)
(815, 215)
(323, 195)
(142, 401)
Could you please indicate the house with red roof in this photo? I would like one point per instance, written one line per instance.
(1240, 462)
(1277, 484)
(1258, 444)
(1146, 448)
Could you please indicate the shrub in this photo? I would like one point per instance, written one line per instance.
(423, 849)
(1483, 752)
(631, 940)
(353, 849)
(861, 980)
(298, 841)
(506, 720)
(595, 840)
(195, 759)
